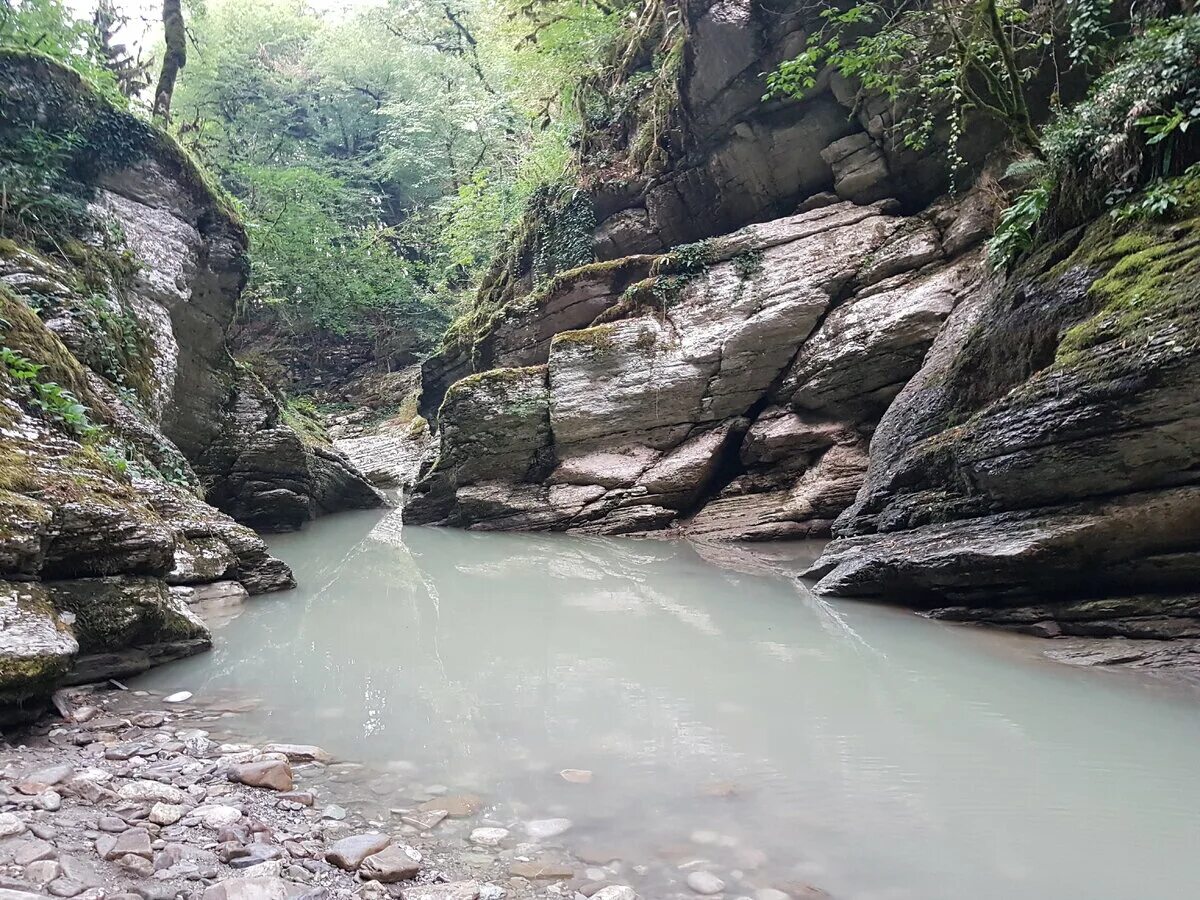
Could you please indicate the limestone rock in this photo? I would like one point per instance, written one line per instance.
(271, 773)
(392, 864)
(349, 852)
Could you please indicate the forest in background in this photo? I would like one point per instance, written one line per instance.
(382, 158)
(376, 156)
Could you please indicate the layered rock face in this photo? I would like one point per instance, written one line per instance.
(120, 406)
(731, 393)
(184, 265)
(1018, 447)
(1041, 470)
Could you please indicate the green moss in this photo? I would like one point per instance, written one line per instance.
(1150, 276)
(302, 416)
(598, 338)
(494, 377)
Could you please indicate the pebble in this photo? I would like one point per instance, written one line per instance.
(488, 837)
(166, 813)
(615, 892)
(705, 882)
(217, 817)
(333, 811)
(544, 829)
(10, 825)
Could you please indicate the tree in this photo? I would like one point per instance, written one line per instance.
(174, 58)
(935, 59)
(132, 73)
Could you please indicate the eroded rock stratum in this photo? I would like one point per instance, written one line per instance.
(134, 451)
(831, 355)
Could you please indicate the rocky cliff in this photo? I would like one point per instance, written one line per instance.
(830, 355)
(130, 440)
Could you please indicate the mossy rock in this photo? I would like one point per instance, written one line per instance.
(36, 646)
(119, 613)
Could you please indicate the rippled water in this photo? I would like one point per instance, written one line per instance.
(861, 749)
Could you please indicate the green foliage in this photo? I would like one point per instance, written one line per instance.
(52, 399)
(50, 27)
(1017, 230)
(933, 61)
(1130, 145)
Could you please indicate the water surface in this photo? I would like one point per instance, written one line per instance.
(726, 714)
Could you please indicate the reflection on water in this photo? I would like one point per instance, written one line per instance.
(863, 749)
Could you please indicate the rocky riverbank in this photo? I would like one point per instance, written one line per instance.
(137, 796)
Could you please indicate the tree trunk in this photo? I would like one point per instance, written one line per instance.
(174, 58)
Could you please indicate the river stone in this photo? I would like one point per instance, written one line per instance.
(33, 851)
(424, 819)
(771, 894)
(41, 780)
(151, 791)
(576, 776)
(10, 825)
(705, 883)
(488, 837)
(300, 752)
(11, 894)
(271, 773)
(349, 852)
(217, 817)
(541, 868)
(80, 872)
(544, 829)
(456, 806)
(135, 841)
(42, 872)
(166, 813)
(615, 892)
(457, 890)
(397, 862)
(255, 888)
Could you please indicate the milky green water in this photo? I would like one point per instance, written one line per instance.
(862, 749)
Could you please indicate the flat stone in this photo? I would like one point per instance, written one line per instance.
(273, 774)
(65, 887)
(576, 776)
(705, 882)
(335, 812)
(615, 892)
(424, 820)
(218, 817)
(456, 890)
(80, 872)
(135, 842)
(178, 697)
(112, 824)
(349, 852)
(770, 894)
(136, 865)
(151, 792)
(149, 720)
(42, 872)
(541, 869)
(456, 806)
(166, 813)
(36, 782)
(255, 888)
(32, 851)
(304, 798)
(300, 752)
(488, 837)
(395, 863)
(544, 829)
(10, 825)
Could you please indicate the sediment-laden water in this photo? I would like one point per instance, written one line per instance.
(730, 720)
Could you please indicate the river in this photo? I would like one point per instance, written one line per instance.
(730, 719)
